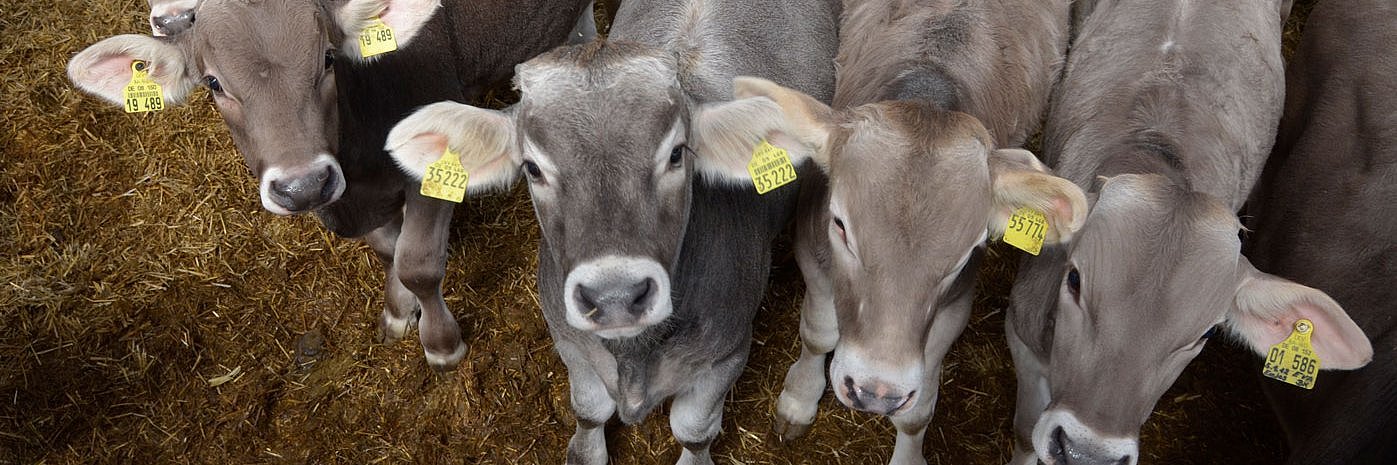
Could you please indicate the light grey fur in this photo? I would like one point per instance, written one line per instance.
(1177, 102)
(902, 166)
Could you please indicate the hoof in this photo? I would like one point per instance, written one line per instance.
(392, 329)
(446, 362)
(787, 431)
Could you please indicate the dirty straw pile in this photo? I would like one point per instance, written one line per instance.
(153, 313)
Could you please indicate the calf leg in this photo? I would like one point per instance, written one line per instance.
(592, 405)
(949, 322)
(400, 306)
(1033, 396)
(696, 415)
(420, 263)
(805, 381)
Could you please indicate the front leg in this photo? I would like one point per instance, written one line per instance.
(949, 322)
(805, 381)
(1033, 395)
(591, 404)
(400, 308)
(696, 414)
(420, 264)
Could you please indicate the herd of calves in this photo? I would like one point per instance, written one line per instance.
(663, 160)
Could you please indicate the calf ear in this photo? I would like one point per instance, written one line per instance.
(104, 68)
(725, 133)
(483, 138)
(1266, 308)
(1018, 180)
(405, 17)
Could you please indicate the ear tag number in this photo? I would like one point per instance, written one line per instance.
(1026, 230)
(770, 168)
(142, 94)
(1293, 361)
(377, 39)
(446, 178)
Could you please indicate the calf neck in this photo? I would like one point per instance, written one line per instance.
(1165, 114)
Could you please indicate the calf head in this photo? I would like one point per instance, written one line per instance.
(1155, 273)
(269, 66)
(914, 192)
(610, 144)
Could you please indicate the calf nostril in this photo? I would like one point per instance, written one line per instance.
(641, 292)
(587, 301)
(1057, 447)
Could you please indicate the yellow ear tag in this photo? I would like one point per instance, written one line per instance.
(142, 94)
(446, 178)
(1293, 361)
(1026, 230)
(376, 39)
(770, 167)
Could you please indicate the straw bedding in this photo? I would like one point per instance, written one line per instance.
(152, 312)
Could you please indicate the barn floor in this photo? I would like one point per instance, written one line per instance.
(152, 312)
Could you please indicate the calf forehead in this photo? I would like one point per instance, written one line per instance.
(1153, 250)
(912, 178)
(266, 34)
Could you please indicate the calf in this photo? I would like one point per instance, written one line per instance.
(654, 254)
(311, 127)
(1323, 215)
(915, 189)
(1165, 114)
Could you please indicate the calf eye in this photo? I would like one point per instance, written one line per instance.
(676, 156)
(533, 170)
(213, 85)
(1074, 284)
(839, 226)
(329, 58)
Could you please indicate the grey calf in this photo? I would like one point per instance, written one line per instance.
(311, 127)
(655, 249)
(1166, 114)
(890, 247)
